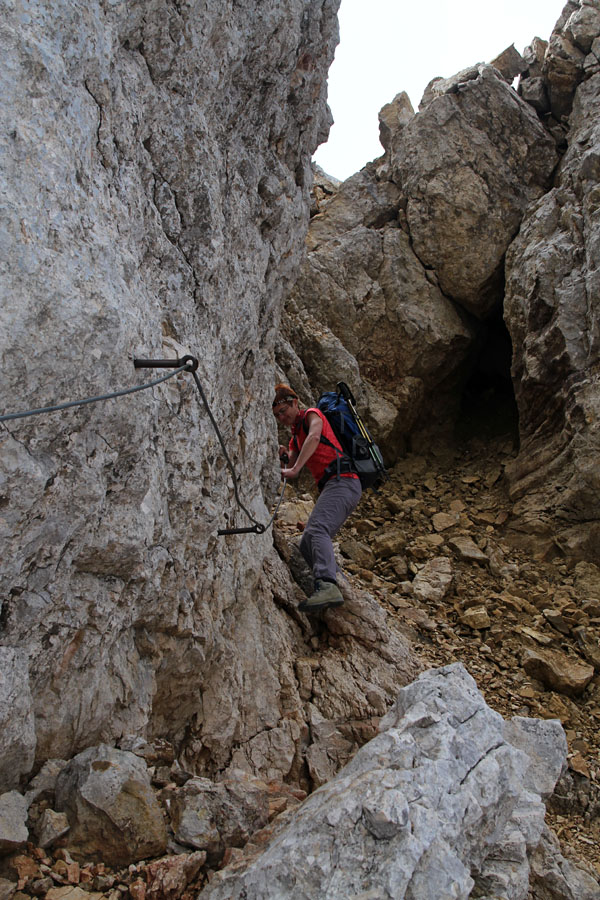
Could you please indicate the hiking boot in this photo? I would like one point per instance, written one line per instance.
(326, 594)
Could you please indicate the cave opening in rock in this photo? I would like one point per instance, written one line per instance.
(488, 407)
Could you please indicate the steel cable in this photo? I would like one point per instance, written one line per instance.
(257, 527)
(48, 409)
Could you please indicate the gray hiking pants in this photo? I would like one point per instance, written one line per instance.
(336, 502)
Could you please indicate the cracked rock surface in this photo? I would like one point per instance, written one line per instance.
(384, 826)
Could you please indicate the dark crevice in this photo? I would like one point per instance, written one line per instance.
(488, 408)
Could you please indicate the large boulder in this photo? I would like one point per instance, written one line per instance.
(446, 801)
(113, 813)
(469, 164)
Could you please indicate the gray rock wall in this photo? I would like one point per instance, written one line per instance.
(155, 181)
(553, 313)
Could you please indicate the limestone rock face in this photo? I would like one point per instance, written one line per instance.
(553, 313)
(551, 307)
(384, 827)
(155, 166)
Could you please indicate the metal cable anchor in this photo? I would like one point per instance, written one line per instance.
(190, 362)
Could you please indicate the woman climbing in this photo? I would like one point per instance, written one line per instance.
(314, 445)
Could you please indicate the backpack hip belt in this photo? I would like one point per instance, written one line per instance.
(340, 466)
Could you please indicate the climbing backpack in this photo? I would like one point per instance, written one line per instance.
(339, 408)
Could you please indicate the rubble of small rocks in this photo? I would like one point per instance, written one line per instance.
(147, 831)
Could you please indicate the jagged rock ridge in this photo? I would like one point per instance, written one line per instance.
(386, 827)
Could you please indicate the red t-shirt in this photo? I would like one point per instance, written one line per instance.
(324, 454)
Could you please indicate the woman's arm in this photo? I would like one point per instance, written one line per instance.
(315, 427)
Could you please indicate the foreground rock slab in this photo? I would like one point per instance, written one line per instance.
(447, 800)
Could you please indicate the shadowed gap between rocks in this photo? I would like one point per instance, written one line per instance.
(488, 407)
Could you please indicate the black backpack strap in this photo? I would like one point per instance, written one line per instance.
(341, 464)
(322, 438)
(339, 455)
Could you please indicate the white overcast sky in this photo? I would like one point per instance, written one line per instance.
(388, 46)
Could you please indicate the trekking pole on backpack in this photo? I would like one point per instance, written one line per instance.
(376, 456)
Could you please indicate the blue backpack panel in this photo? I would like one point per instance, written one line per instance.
(353, 436)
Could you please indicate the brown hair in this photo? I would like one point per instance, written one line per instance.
(284, 392)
